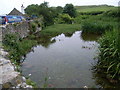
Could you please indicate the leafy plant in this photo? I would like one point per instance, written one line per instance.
(109, 56)
(17, 47)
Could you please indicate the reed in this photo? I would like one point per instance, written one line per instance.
(109, 56)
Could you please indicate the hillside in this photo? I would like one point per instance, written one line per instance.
(94, 8)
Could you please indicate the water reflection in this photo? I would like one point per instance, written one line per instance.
(65, 61)
(89, 37)
(46, 41)
(68, 34)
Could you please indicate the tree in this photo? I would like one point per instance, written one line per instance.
(44, 10)
(32, 9)
(59, 9)
(69, 9)
(47, 13)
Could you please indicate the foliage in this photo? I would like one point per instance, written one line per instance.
(17, 47)
(70, 10)
(113, 12)
(42, 9)
(109, 56)
(10, 40)
(32, 9)
(33, 27)
(47, 13)
(59, 9)
(96, 27)
(80, 18)
(64, 19)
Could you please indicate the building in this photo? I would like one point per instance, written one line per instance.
(16, 12)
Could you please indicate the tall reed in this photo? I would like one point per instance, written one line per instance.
(109, 56)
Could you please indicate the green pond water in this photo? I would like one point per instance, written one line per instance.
(66, 61)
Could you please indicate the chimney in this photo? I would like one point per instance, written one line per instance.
(22, 9)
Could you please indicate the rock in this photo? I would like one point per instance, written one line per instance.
(85, 87)
(23, 85)
(19, 85)
(13, 87)
(9, 78)
(29, 75)
(28, 86)
(24, 79)
(3, 53)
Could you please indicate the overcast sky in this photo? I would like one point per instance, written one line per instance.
(7, 5)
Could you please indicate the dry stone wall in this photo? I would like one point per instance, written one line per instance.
(8, 75)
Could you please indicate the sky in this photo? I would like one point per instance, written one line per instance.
(7, 5)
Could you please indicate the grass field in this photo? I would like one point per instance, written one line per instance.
(94, 8)
(60, 28)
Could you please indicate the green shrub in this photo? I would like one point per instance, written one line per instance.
(79, 19)
(38, 23)
(33, 27)
(64, 19)
(11, 40)
(113, 13)
(96, 27)
(17, 47)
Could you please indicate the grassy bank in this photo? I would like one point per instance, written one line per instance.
(96, 27)
(60, 28)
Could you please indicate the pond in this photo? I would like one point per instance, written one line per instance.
(66, 62)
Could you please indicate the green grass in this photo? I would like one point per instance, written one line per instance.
(60, 28)
(93, 8)
(96, 27)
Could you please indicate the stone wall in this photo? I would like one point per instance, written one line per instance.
(8, 75)
(22, 29)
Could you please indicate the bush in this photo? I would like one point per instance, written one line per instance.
(10, 40)
(17, 47)
(113, 13)
(96, 27)
(33, 27)
(64, 19)
(79, 19)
